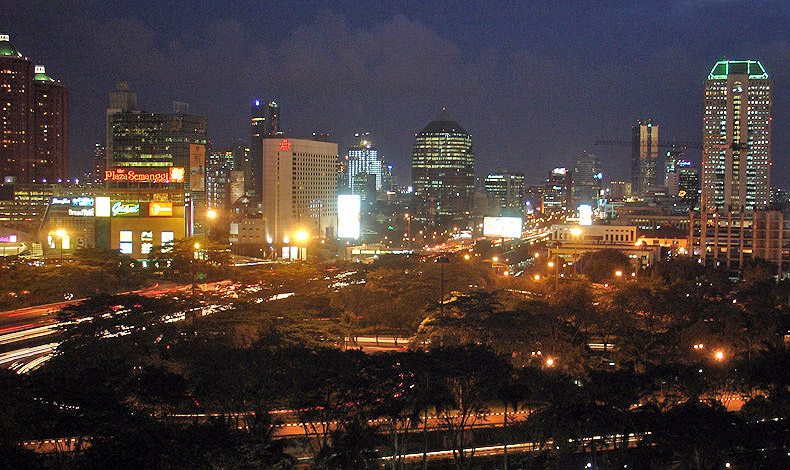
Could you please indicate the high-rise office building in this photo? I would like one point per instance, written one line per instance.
(167, 145)
(736, 137)
(586, 180)
(671, 173)
(557, 191)
(99, 163)
(33, 120)
(443, 171)
(363, 158)
(618, 190)
(273, 120)
(299, 188)
(644, 156)
(688, 183)
(121, 100)
(506, 190)
(253, 175)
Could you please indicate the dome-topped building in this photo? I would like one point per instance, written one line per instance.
(443, 171)
(7, 49)
(33, 120)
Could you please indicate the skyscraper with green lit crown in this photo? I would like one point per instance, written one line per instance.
(736, 137)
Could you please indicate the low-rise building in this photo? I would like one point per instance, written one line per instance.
(569, 243)
(732, 239)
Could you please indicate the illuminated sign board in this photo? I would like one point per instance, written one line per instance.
(585, 214)
(348, 208)
(502, 227)
(197, 167)
(285, 145)
(103, 206)
(124, 209)
(160, 209)
(176, 174)
(83, 212)
(145, 175)
(72, 201)
(8, 239)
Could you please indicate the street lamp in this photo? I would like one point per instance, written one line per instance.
(211, 214)
(62, 234)
(300, 235)
(442, 260)
(197, 250)
(618, 273)
(408, 231)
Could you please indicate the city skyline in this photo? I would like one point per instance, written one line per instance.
(492, 70)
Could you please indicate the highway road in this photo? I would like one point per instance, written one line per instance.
(28, 335)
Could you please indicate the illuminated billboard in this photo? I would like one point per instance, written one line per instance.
(197, 167)
(585, 214)
(502, 227)
(160, 209)
(348, 208)
(145, 175)
(103, 208)
(125, 209)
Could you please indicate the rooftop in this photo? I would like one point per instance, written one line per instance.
(8, 49)
(753, 68)
(41, 75)
(442, 124)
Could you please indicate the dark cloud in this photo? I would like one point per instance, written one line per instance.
(534, 83)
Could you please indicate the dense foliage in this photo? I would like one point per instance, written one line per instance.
(626, 374)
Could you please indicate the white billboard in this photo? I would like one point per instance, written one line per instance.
(585, 214)
(348, 208)
(502, 227)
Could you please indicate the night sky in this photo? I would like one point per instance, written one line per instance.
(534, 82)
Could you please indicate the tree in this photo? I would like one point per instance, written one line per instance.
(191, 259)
(472, 376)
(600, 266)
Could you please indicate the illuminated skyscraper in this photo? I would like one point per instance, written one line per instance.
(299, 188)
(33, 120)
(736, 137)
(443, 171)
(121, 100)
(586, 180)
(506, 190)
(273, 120)
(557, 191)
(99, 163)
(644, 156)
(253, 173)
(363, 158)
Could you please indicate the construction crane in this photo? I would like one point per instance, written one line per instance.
(661, 143)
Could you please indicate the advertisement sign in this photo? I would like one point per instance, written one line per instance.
(502, 227)
(348, 208)
(145, 175)
(585, 214)
(82, 212)
(103, 206)
(125, 209)
(197, 167)
(176, 174)
(160, 209)
(72, 201)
